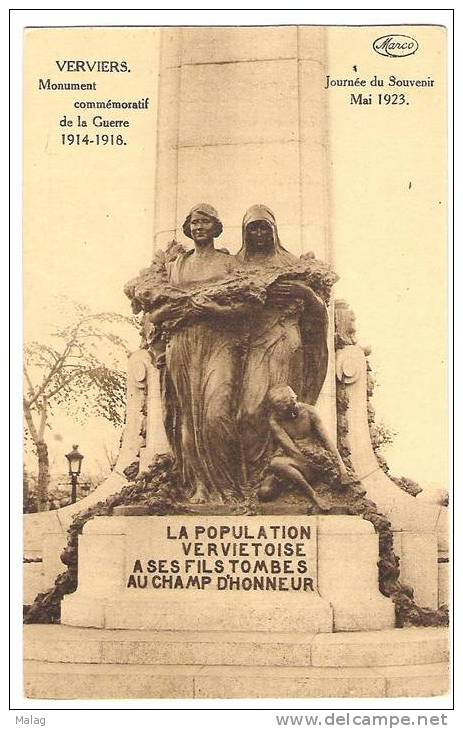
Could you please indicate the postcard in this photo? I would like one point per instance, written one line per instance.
(235, 362)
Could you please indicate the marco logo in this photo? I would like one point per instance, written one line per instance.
(395, 46)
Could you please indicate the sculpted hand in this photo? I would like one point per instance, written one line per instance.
(292, 450)
(280, 294)
(208, 307)
(285, 290)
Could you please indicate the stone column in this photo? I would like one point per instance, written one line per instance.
(243, 120)
(165, 203)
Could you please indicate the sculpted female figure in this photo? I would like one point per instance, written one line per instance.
(287, 337)
(202, 367)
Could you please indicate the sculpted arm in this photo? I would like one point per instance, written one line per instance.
(164, 313)
(212, 307)
(309, 294)
(284, 439)
(285, 290)
(238, 307)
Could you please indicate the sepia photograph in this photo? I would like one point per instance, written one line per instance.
(236, 432)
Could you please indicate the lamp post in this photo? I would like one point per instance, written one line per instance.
(75, 463)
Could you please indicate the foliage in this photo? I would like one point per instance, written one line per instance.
(57, 497)
(79, 369)
(381, 435)
(152, 290)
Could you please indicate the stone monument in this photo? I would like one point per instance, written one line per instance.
(247, 497)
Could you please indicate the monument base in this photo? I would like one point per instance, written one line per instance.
(216, 611)
(69, 663)
(312, 574)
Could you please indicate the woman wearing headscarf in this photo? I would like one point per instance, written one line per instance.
(286, 339)
(202, 369)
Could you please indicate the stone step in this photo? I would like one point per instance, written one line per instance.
(395, 647)
(107, 681)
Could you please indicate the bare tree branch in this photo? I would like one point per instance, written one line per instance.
(43, 418)
(28, 380)
(52, 372)
(63, 384)
(30, 423)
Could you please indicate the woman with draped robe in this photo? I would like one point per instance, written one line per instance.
(202, 365)
(286, 338)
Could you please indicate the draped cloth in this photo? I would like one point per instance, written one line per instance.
(202, 369)
(287, 345)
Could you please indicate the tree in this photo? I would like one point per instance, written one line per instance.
(80, 369)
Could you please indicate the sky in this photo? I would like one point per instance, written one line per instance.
(390, 238)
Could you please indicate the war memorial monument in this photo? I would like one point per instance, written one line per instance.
(248, 544)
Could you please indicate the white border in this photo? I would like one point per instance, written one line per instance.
(268, 708)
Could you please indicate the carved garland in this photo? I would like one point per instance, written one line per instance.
(158, 490)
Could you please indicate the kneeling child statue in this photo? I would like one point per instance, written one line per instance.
(305, 453)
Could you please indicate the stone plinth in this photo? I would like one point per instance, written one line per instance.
(65, 662)
(253, 573)
(70, 681)
(218, 612)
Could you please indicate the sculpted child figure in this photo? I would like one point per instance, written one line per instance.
(305, 453)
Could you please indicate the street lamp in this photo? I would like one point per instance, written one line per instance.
(75, 463)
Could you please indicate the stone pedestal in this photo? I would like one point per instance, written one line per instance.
(307, 574)
(348, 574)
(63, 662)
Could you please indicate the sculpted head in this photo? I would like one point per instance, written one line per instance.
(259, 236)
(259, 230)
(283, 401)
(202, 223)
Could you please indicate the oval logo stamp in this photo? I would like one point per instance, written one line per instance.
(395, 46)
